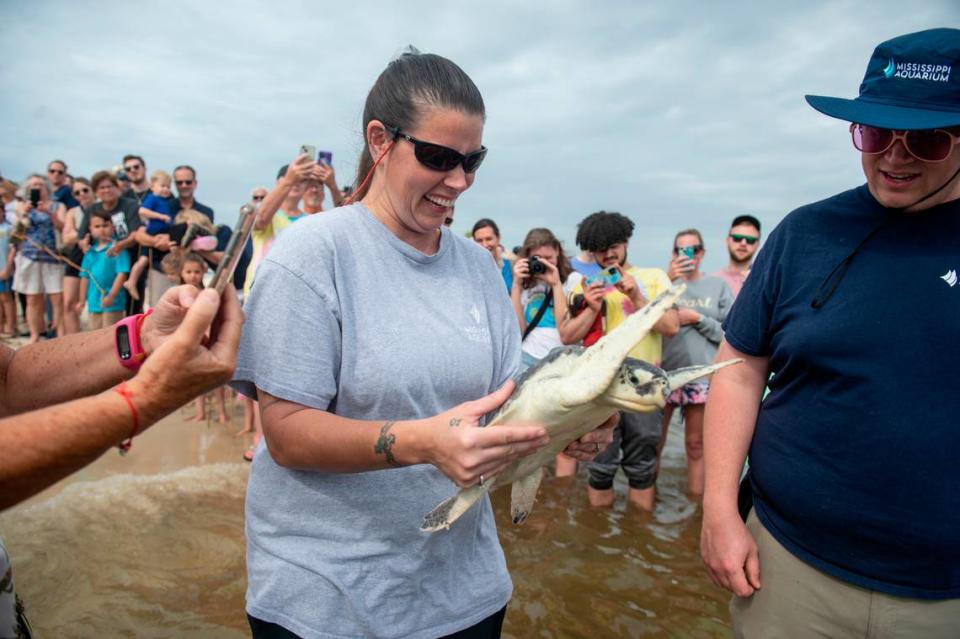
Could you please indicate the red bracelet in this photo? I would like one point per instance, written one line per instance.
(124, 392)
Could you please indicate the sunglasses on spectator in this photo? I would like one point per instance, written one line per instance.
(749, 239)
(928, 145)
(441, 158)
(84, 189)
(184, 182)
(57, 171)
(696, 248)
(132, 167)
(257, 198)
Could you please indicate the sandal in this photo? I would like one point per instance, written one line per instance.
(248, 454)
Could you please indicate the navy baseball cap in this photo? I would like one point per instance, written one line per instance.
(912, 82)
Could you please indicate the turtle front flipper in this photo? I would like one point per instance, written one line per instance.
(600, 363)
(686, 375)
(449, 510)
(523, 494)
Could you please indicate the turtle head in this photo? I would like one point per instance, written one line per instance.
(638, 387)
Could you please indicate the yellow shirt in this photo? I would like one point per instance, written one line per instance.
(263, 239)
(618, 306)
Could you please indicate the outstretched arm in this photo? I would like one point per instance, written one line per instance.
(41, 447)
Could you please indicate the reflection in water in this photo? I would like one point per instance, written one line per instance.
(162, 556)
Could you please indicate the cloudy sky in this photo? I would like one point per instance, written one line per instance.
(677, 113)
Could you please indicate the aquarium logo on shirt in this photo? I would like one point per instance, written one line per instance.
(950, 277)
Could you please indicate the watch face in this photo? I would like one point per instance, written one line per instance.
(123, 342)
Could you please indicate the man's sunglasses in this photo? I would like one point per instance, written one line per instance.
(81, 190)
(441, 158)
(132, 167)
(57, 171)
(749, 239)
(929, 145)
(257, 198)
(184, 182)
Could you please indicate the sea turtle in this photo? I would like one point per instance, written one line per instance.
(571, 391)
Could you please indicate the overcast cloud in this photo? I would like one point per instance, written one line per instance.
(678, 114)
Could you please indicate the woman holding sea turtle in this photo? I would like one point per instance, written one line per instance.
(371, 333)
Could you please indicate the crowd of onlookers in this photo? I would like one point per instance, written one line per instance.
(87, 252)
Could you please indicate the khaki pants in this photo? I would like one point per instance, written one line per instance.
(102, 320)
(797, 601)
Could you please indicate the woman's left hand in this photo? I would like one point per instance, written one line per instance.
(552, 275)
(687, 316)
(591, 444)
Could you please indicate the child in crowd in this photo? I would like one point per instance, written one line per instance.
(106, 299)
(8, 310)
(155, 214)
(192, 268)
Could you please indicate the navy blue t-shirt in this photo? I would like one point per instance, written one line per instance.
(855, 461)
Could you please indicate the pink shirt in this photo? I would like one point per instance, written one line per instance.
(734, 278)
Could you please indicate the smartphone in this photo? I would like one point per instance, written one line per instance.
(608, 277)
(309, 150)
(35, 197)
(325, 157)
(688, 252)
(231, 256)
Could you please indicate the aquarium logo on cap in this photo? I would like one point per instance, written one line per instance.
(917, 71)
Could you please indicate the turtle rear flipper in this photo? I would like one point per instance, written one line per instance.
(522, 495)
(449, 510)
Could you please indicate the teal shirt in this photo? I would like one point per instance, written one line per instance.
(97, 265)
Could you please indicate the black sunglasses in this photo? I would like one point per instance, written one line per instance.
(132, 167)
(257, 198)
(81, 190)
(184, 182)
(696, 248)
(441, 158)
(57, 171)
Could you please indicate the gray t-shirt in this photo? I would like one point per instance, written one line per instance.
(344, 316)
(698, 343)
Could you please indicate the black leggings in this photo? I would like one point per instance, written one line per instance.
(489, 628)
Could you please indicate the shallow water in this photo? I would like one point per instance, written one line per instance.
(160, 553)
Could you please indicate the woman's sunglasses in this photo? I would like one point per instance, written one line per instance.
(696, 248)
(929, 145)
(441, 158)
(749, 239)
(82, 190)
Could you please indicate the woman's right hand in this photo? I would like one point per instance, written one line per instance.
(680, 265)
(84, 243)
(521, 270)
(463, 451)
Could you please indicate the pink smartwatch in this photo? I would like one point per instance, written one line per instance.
(129, 347)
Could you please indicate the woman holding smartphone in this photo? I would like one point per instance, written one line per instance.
(375, 353)
(701, 310)
(38, 271)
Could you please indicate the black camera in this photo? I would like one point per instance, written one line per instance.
(536, 266)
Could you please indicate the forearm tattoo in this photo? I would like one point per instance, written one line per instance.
(385, 443)
(454, 422)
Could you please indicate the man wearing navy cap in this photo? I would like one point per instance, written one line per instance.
(855, 453)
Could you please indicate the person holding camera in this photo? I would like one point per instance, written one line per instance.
(601, 303)
(37, 270)
(539, 299)
(701, 309)
(377, 342)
